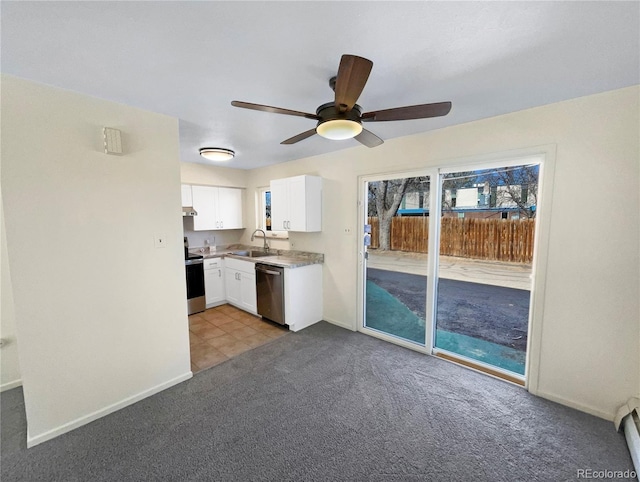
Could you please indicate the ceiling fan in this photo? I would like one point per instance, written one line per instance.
(342, 118)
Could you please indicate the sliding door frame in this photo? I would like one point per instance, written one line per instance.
(545, 156)
(362, 217)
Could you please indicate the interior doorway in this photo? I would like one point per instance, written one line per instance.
(446, 262)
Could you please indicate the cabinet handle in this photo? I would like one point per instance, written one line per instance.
(284, 225)
(219, 273)
(222, 224)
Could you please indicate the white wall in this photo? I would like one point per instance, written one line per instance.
(467, 197)
(212, 175)
(589, 339)
(100, 313)
(221, 237)
(9, 365)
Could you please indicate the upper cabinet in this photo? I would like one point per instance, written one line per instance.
(296, 204)
(230, 208)
(217, 208)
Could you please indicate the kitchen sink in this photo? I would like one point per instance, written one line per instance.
(252, 254)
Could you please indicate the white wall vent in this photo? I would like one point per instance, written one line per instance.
(112, 141)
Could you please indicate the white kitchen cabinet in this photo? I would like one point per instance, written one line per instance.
(232, 285)
(240, 283)
(248, 297)
(303, 296)
(230, 207)
(214, 285)
(296, 204)
(187, 200)
(217, 208)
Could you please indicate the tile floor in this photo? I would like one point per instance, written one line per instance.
(223, 332)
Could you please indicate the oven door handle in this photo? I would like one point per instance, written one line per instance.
(189, 262)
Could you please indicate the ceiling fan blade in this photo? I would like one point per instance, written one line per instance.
(352, 77)
(368, 138)
(275, 110)
(300, 137)
(421, 111)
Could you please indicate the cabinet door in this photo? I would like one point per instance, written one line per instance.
(214, 285)
(232, 283)
(187, 201)
(230, 208)
(204, 202)
(248, 297)
(279, 204)
(297, 204)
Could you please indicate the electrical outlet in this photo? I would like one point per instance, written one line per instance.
(348, 231)
(160, 241)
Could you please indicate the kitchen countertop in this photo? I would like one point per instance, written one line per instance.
(280, 257)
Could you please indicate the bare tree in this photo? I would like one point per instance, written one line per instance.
(385, 197)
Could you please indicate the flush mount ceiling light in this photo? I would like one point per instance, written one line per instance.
(217, 153)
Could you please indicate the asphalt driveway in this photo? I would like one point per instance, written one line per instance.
(491, 313)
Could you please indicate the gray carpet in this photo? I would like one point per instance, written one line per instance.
(323, 404)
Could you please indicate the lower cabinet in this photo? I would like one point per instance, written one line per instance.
(214, 282)
(303, 296)
(240, 283)
(233, 281)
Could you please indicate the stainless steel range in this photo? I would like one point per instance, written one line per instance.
(194, 268)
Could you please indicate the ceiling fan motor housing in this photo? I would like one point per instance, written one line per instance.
(329, 112)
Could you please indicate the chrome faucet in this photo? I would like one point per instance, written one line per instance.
(266, 246)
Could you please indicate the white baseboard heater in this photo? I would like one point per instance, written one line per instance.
(628, 419)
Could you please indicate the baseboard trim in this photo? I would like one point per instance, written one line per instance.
(9, 385)
(67, 427)
(578, 406)
(340, 324)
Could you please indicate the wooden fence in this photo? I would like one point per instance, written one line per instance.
(490, 239)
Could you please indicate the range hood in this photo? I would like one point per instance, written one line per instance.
(188, 211)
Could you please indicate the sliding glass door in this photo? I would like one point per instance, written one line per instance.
(448, 266)
(395, 280)
(487, 225)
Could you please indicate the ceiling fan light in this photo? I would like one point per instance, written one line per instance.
(217, 153)
(339, 129)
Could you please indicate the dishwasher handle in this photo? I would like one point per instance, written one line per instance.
(268, 271)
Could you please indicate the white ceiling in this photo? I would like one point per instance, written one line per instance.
(191, 59)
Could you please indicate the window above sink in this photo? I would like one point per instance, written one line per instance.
(263, 214)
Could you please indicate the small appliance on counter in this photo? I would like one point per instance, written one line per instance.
(196, 301)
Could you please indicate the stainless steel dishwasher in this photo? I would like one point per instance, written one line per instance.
(270, 291)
